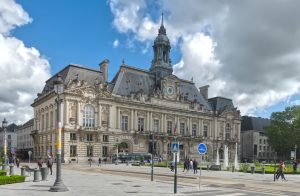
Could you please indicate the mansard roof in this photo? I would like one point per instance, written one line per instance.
(254, 123)
(132, 80)
(221, 103)
(72, 72)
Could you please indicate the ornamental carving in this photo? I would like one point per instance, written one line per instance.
(125, 112)
(156, 115)
(141, 113)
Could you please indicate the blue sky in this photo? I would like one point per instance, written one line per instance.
(252, 59)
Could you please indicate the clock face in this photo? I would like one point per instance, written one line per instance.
(170, 90)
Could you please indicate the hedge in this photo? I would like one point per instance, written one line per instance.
(11, 179)
(2, 173)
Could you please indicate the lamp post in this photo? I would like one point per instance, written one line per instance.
(295, 158)
(58, 184)
(175, 165)
(152, 163)
(90, 154)
(4, 125)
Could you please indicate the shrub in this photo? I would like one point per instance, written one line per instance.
(11, 179)
(2, 173)
(245, 167)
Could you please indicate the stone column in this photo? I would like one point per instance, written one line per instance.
(224, 130)
(132, 120)
(162, 123)
(151, 122)
(78, 116)
(100, 115)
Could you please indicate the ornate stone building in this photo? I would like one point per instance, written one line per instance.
(99, 115)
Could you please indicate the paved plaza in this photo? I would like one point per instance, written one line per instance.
(86, 180)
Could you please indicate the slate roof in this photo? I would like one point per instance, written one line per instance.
(254, 123)
(130, 80)
(73, 71)
(220, 103)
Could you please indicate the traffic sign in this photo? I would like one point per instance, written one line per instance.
(202, 149)
(175, 147)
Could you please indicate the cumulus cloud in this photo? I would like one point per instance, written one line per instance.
(248, 50)
(20, 67)
(116, 43)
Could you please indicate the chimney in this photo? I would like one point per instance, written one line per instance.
(104, 69)
(204, 91)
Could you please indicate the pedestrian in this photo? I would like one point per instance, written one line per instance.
(195, 166)
(295, 166)
(185, 165)
(17, 162)
(172, 166)
(191, 165)
(40, 163)
(49, 164)
(280, 173)
(99, 161)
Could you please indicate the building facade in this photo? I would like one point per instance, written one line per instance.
(254, 142)
(100, 117)
(11, 139)
(24, 139)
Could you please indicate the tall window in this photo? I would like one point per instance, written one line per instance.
(228, 132)
(42, 122)
(89, 137)
(88, 116)
(105, 138)
(73, 151)
(205, 130)
(124, 123)
(169, 149)
(51, 119)
(89, 151)
(156, 125)
(169, 127)
(141, 124)
(194, 128)
(47, 120)
(104, 151)
(72, 136)
(182, 128)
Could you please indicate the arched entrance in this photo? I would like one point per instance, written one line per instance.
(125, 147)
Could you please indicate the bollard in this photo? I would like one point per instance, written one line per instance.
(207, 168)
(11, 170)
(44, 173)
(36, 175)
(232, 168)
(263, 170)
(23, 173)
(252, 169)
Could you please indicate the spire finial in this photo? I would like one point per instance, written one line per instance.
(162, 18)
(123, 61)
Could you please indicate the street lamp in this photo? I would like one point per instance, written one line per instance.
(4, 125)
(58, 184)
(152, 163)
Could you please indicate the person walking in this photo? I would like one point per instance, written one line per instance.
(195, 166)
(295, 166)
(40, 163)
(99, 161)
(17, 162)
(49, 164)
(280, 173)
(186, 165)
(191, 165)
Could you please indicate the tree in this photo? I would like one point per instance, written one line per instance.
(284, 131)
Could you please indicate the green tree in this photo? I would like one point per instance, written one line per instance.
(284, 131)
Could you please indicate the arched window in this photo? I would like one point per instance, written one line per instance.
(88, 116)
(228, 131)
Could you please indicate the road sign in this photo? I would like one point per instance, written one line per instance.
(175, 147)
(202, 149)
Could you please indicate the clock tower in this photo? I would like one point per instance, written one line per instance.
(161, 63)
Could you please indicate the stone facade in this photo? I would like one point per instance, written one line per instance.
(24, 139)
(100, 116)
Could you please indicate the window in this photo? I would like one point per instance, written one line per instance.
(156, 125)
(104, 151)
(89, 137)
(51, 119)
(89, 151)
(182, 126)
(255, 149)
(194, 130)
(42, 122)
(124, 123)
(88, 116)
(205, 130)
(47, 121)
(169, 127)
(73, 151)
(169, 149)
(228, 132)
(264, 148)
(259, 147)
(72, 136)
(105, 138)
(141, 124)
(264, 141)
(259, 141)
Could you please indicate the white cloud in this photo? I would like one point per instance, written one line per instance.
(22, 70)
(248, 51)
(116, 43)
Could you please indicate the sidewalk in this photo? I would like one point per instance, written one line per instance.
(94, 183)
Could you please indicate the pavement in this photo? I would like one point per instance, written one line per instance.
(81, 179)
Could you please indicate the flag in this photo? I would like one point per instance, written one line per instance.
(175, 128)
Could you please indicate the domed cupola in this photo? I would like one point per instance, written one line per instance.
(161, 63)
